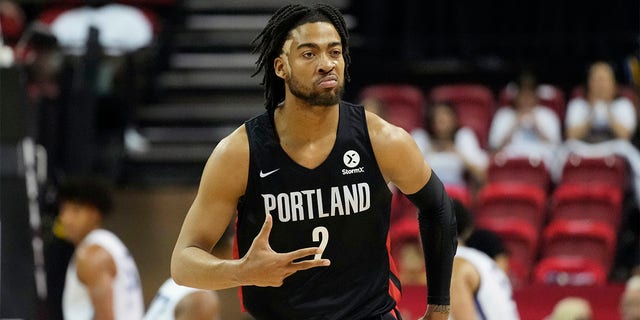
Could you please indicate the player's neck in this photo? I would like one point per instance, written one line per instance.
(306, 122)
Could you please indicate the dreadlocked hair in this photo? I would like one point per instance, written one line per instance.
(271, 39)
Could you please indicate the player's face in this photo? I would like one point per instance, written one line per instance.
(77, 220)
(312, 64)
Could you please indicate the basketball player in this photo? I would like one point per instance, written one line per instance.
(176, 302)
(102, 280)
(480, 289)
(308, 179)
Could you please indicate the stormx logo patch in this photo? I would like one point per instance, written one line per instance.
(351, 159)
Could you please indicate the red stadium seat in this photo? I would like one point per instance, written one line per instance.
(507, 201)
(587, 202)
(460, 193)
(403, 103)
(552, 97)
(569, 271)
(474, 104)
(525, 170)
(580, 239)
(404, 223)
(402, 207)
(402, 232)
(609, 170)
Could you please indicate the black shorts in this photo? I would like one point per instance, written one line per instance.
(391, 315)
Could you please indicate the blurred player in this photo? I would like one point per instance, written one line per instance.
(102, 280)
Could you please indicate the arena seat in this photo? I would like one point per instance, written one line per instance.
(460, 193)
(509, 201)
(580, 239)
(608, 170)
(590, 202)
(525, 170)
(569, 271)
(403, 104)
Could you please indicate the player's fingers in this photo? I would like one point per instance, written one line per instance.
(301, 253)
(266, 228)
(308, 264)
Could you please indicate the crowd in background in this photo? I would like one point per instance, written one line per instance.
(529, 122)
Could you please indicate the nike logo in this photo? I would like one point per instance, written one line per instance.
(264, 174)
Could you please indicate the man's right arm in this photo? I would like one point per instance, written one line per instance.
(222, 184)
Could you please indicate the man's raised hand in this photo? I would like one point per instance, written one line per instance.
(263, 267)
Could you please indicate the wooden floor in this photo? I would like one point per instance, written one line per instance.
(148, 220)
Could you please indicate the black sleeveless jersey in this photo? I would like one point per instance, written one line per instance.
(344, 204)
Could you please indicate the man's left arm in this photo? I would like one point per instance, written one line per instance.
(403, 164)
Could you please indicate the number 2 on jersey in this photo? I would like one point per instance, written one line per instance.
(320, 234)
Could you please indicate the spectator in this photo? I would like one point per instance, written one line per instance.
(601, 115)
(571, 308)
(630, 301)
(601, 124)
(453, 152)
(12, 22)
(526, 128)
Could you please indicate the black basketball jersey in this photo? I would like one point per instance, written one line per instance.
(344, 204)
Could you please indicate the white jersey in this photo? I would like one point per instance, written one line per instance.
(128, 301)
(169, 295)
(494, 300)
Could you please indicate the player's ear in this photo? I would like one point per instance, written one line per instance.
(279, 66)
